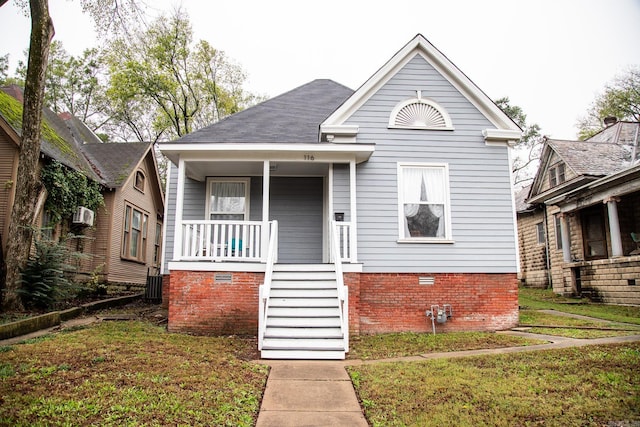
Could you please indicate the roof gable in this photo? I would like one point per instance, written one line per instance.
(588, 160)
(292, 117)
(505, 128)
(115, 162)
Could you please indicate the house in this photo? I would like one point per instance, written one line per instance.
(532, 241)
(585, 201)
(325, 212)
(124, 235)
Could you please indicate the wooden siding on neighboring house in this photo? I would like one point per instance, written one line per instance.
(481, 200)
(8, 165)
(123, 270)
(105, 237)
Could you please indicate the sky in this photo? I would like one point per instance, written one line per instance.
(550, 57)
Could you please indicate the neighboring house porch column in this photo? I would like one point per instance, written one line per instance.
(266, 177)
(177, 239)
(566, 239)
(614, 226)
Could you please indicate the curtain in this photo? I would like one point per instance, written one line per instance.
(424, 198)
(227, 198)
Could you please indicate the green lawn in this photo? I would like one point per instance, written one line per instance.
(586, 386)
(135, 373)
(130, 373)
(589, 386)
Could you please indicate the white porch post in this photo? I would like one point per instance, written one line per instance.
(353, 239)
(266, 176)
(566, 239)
(614, 226)
(177, 238)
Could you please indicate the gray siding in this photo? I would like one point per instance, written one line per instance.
(341, 197)
(481, 209)
(296, 203)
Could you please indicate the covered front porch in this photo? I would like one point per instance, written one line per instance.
(226, 201)
(599, 227)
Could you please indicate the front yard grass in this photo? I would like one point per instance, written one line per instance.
(130, 373)
(384, 346)
(544, 299)
(588, 386)
(550, 323)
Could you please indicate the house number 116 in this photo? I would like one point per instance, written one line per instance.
(309, 157)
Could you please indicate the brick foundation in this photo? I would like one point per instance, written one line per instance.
(378, 302)
(207, 303)
(398, 302)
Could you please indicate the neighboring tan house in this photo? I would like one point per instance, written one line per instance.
(325, 212)
(534, 267)
(124, 235)
(585, 200)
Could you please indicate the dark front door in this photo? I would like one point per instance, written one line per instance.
(593, 233)
(296, 203)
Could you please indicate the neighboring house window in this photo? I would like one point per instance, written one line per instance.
(134, 239)
(228, 199)
(593, 233)
(557, 175)
(47, 225)
(157, 244)
(558, 226)
(540, 232)
(424, 207)
(139, 182)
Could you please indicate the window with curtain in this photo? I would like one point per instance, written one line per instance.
(424, 202)
(228, 199)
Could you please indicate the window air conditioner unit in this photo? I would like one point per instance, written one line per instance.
(83, 216)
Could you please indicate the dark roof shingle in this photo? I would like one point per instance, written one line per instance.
(293, 117)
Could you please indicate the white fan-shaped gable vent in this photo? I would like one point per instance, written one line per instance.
(420, 113)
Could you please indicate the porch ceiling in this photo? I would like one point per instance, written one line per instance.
(199, 170)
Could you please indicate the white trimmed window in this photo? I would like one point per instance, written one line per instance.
(424, 211)
(134, 238)
(228, 199)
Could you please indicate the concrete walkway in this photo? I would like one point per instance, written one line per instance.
(309, 393)
(318, 393)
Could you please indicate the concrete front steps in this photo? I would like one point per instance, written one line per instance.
(303, 315)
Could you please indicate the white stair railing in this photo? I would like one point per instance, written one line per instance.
(343, 291)
(265, 289)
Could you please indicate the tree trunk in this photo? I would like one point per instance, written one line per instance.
(28, 184)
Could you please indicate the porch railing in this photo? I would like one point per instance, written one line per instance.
(344, 241)
(222, 241)
(265, 289)
(343, 291)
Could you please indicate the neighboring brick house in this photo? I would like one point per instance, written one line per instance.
(325, 212)
(125, 235)
(588, 195)
(534, 267)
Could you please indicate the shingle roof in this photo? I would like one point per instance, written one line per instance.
(293, 117)
(57, 142)
(592, 158)
(114, 162)
(70, 142)
(521, 200)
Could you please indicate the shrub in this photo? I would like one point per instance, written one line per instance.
(46, 277)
